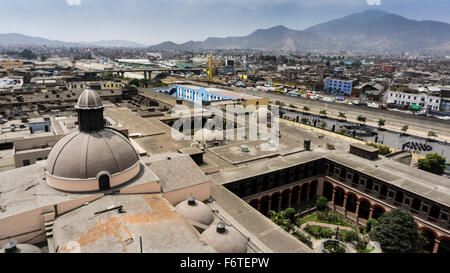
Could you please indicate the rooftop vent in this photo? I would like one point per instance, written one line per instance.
(10, 247)
(307, 144)
(191, 200)
(244, 148)
(221, 227)
(272, 143)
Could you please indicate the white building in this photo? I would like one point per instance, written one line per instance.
(422, 99)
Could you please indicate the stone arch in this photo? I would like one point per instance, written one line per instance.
(295, 198)
(364, 208)
(339, 196)
(444, 245)
(264, 207)
(327, 190)
(377, 211)
(275, 198)
(254, 203)
(351, 202)
(313, 189)
(285, 199)
(304, 193)
(430, 236)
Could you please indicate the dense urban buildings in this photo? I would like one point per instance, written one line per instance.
(252, 145)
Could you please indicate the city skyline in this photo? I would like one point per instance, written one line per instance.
(181, 21)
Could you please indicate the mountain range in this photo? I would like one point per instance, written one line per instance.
(370, 31)
(15, 39)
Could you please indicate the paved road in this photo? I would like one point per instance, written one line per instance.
(418, 125)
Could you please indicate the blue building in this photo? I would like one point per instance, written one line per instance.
(338, 87)
(197, 94)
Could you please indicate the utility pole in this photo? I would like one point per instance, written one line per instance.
(210, 69)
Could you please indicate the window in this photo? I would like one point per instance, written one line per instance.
(26, 162)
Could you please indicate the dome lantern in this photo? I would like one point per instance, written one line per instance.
(89, 108)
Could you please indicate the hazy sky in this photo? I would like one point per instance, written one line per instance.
(154, 21)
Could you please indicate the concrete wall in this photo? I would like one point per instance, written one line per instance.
(200, 192)
(33, 148)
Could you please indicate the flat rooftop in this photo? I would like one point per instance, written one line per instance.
(422, 183)
(232, 94)
(132, 121)
(176, 171)
(23, 189)
(147, 218)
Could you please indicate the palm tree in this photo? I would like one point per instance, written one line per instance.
(305, 108)
(323, 113)
(343, 116)
(381, 123)
(405, 128)
(432, 134)
(361, 119)
(304, 120)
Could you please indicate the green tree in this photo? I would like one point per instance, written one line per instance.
(343, 131)
(433, 163)
(405, 128)
(289, 214)
(370, 224)
(342, 116)
(304, 120)
(432, 134)
(381, 122)
(135, 82)
(306, 108)
(396, 232)
(323, 113)
(323, 124)
(361, 119)
(321, 203)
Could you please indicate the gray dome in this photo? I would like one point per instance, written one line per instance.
(89, 99)
(13, 247)
(198, 211)
(83, 155)
(228, 240)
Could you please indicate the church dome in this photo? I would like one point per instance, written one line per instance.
(92, 158)
(195, 210)
(89, 99)
(83, 156)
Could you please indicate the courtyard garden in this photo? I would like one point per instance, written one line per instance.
(323, 224)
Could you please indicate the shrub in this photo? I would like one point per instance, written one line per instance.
(382, 149)
(350, 236)
(303, 238)
(361, 245)
(289, 213)
(321, 203)
(370, 223)
(433, 163)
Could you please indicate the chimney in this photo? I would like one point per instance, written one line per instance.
(307, 144)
